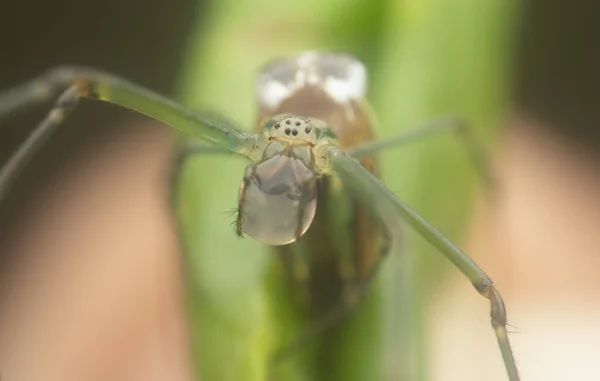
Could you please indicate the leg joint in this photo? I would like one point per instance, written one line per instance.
(497, 308)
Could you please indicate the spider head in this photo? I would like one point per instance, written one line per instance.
(277, 198)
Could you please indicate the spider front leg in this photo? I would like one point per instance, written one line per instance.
(391, 211)
(65, 104)
(70, 84)
(392, 239)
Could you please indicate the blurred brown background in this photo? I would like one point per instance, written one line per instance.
(539, 234)
(95, 296)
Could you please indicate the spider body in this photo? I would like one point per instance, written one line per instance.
(310, 189)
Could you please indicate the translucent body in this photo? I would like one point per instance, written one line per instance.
(278, 198)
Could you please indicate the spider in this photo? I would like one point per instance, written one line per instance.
(313, 147)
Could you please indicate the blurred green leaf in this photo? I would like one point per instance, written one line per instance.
(426, 58)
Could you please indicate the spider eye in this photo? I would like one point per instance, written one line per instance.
(277, 200)
(292, 127)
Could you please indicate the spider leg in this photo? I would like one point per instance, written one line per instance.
(73, 83)
(391, 211)
(65, 104)
(458, 127)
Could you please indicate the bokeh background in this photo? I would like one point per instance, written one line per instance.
(93, 282)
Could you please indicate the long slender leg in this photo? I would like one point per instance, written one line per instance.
(92, 84)
(455, 125)
(63, 107)
(450, 124)
(391, 211)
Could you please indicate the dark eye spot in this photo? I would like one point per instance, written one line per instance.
(277, 125)
(287, 131)
(294, 132)
(288, 121)
(298, 123)
(308, 129)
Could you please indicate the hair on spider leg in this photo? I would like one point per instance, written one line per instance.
(516, 329)
(231, 212)
(237, 229)
(234, 212)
